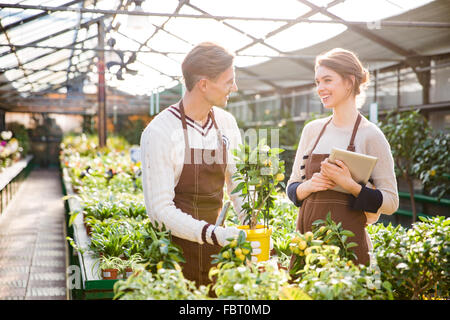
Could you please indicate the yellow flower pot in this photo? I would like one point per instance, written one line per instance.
(262, 235)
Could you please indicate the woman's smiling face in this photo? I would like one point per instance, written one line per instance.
(331, 87)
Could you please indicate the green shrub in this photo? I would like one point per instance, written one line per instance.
(163, 285)
(327, 276)
(415, 261)
(259, 281)
(432, 164)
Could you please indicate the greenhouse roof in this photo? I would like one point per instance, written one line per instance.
(51, 46)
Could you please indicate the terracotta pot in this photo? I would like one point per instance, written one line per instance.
(88, 229)
(128, 272)
(110, 273)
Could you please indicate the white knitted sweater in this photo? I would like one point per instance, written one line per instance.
(162, 155)
(369, 140)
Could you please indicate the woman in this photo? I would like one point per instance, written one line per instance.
(340, 77)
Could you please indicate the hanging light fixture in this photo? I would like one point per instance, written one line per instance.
(137, 22)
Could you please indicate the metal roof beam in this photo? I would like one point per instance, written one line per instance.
(422, 24)
(80, 17)
(161, 27)
(19, 63)
(83, 25)
(286, 26)
(363, 31)
(42, 69)
(2, 70)
(37, 16)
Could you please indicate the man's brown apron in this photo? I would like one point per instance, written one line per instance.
(199, 193)
(318, 204)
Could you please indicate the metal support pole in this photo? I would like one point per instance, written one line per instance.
(2, 120)
(157, 102)
(375, 86)
(398, 88)
(152, 104)
(101, 114)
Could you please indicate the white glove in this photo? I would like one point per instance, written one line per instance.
(224, 233)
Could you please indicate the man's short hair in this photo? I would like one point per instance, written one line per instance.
(206, 59)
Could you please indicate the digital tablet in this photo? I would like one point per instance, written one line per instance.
(360, 165)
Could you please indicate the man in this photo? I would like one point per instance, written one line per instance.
(186, 160)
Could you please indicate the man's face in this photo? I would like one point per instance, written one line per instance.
(218, 90)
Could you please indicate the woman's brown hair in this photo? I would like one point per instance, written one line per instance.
(346, 64)
(208, 60)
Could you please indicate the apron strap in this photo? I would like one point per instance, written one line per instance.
(351, 146)
(320, 135)
(183, 121)
(186, 139)
(222, 150)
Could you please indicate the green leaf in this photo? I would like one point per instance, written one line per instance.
(293, 293)
(72, 217)
(239, 187)
(275, 151)
(347, 233)
(351, 245)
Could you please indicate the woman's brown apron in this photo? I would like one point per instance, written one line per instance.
(318, 204)
(199, 193)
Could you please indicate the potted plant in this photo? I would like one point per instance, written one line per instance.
(109, 243)
(130, 264)
(259, 172)
(110, 267)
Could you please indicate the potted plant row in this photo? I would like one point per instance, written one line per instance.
(117, 268)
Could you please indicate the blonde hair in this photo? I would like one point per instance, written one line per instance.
(206, 59)
(346, 64)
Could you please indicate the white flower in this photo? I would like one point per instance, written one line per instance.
(6, 135)
(238, 287)
(241, 269)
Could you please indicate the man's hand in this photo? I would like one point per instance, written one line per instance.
(224, 233)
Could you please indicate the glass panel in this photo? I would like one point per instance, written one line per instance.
(165, 42)
(48, 60)
(315, 106)
(303, 35)
(440, 82)
(387, 91)
(207, 30)
(13, 74)
(410, 89)
(289, 9)
(10, 15)
(357, 10)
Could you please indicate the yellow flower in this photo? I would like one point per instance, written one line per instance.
(302, 245)
(309, 236)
